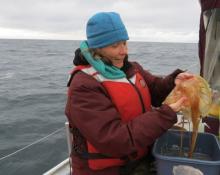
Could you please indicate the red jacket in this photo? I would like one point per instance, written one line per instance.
(95, 118)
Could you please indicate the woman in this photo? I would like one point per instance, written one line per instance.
(110, 101)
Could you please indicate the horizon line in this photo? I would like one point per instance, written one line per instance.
(49, 39)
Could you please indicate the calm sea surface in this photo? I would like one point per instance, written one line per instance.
(33, 77)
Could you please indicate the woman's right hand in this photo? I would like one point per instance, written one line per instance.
(178, 104)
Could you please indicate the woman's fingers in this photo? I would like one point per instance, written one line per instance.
(183, 76)
(177, 105)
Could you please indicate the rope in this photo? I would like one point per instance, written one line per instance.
(11, 154)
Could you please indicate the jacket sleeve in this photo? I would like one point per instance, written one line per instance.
(159, 86)
(90, 109)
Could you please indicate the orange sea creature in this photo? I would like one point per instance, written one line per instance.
(197, 105)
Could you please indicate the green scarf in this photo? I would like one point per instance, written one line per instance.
(110, 72)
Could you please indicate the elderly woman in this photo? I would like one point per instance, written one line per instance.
(109, 105)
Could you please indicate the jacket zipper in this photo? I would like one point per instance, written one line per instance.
(139, 95)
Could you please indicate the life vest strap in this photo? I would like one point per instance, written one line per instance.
(87, 155)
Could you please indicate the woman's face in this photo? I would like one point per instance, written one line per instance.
(115, 53)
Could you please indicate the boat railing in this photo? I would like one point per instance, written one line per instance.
(64, 168)
(69, 137)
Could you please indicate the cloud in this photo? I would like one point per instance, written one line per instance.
(157, 35)
(151, 20)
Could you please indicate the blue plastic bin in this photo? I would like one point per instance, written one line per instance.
(206, 144)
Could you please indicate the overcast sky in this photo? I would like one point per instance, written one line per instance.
(145, 20)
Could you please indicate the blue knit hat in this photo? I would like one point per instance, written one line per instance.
(105, 28)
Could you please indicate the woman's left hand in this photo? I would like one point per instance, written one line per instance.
(183, 76)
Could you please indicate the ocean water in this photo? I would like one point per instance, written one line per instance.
(33, 77)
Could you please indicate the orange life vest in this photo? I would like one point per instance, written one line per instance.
(131, 98)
